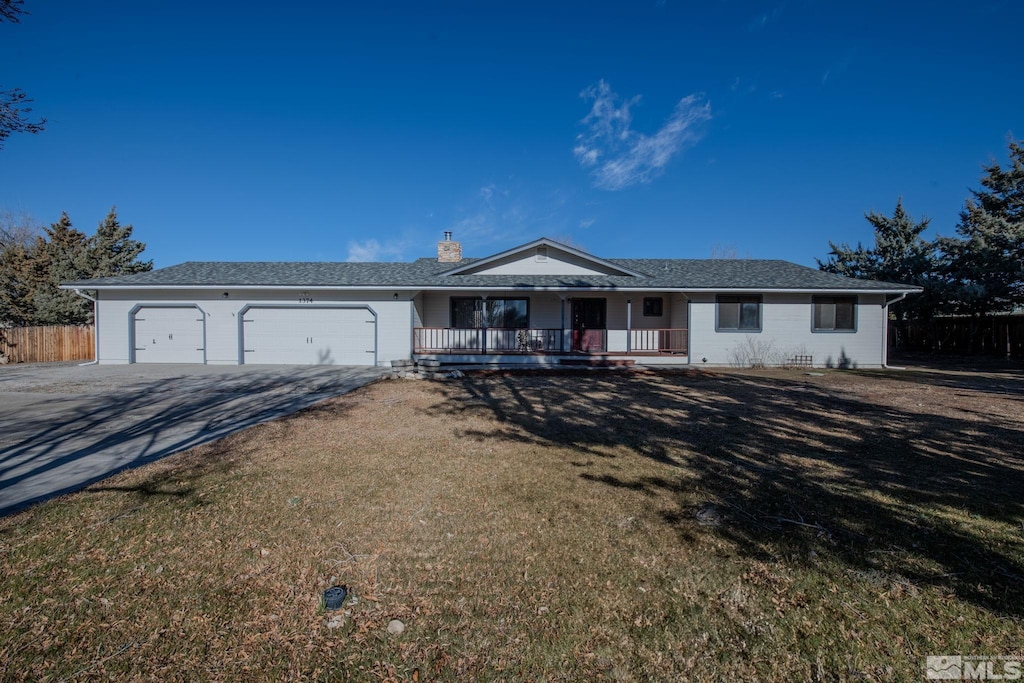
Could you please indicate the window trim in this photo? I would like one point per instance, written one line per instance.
(743, 330)
(816, 299)
(661, 306)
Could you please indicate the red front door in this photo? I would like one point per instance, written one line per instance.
(589, 322)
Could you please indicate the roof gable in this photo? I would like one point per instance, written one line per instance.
(542, 257)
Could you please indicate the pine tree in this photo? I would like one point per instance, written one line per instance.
(112, 251)
(66, 253)
(985, 264)
(900, 255)
(23, 273)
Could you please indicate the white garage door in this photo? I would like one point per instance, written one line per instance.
(308, 336)
(169, 335)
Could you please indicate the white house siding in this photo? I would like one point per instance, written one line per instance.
(394, 318)
(785, 332)
(678, 316)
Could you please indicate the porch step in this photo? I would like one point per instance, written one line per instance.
(597, 362)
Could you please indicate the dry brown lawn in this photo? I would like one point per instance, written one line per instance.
(623, 525)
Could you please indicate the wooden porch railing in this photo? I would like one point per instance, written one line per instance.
(661, 341)
(485, 340)
(535, 340)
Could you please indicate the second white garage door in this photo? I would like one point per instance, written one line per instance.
(308, 336)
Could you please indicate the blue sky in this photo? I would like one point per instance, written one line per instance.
(336, 131)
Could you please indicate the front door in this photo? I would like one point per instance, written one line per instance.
(589, 320)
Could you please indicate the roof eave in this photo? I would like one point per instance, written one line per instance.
(523, 287)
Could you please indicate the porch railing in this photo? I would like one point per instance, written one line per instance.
(485, 340)
(537, 340)
(661, 341)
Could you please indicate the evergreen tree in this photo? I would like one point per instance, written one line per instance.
(900, 255)
(112, 251)
(23, 273)
(32, 267)
(66, 254)
(985, 263)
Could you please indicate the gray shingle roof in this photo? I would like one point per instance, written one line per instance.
(696, 274)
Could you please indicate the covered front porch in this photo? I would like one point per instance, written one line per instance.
(541, 327)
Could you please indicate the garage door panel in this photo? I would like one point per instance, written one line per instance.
(308, 336)
(169, 335)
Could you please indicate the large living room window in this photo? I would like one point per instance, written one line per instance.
(473, 311)
(738, 313)
(835, 313)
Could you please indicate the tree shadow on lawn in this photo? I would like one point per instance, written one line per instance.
(791, 465)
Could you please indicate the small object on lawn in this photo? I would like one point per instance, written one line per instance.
(708, 515)
(396, 627)
(334, 596)
(815, 374)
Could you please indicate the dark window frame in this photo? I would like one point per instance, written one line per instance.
(452, 302)
(739, 300)
(834, 300)
(649, 306)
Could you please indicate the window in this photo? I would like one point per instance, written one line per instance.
(470, 312)
(466, 312)
(834, 313)
(741, 313)
(653, 307)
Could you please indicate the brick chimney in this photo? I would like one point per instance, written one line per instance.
(448, 251)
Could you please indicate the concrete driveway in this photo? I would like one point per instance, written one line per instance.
(63, 426)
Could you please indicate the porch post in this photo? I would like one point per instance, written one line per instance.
(483, 322)
(561, 332)
(629, 325)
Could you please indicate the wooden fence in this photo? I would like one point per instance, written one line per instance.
(47, 344)
(997, 335)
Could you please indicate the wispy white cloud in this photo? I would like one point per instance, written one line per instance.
(762, 19)
(372, 250)
(587, 222)
(838, 68)
(500, 214)
(620, 156)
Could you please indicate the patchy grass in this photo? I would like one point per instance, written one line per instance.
(631, 525)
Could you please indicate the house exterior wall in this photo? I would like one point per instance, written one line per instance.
(545, 307)
(786, 322)
(679, 311)
(546, 311)
(394, 318)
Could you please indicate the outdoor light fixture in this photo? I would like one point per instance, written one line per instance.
(396, 296)
(224, 295)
